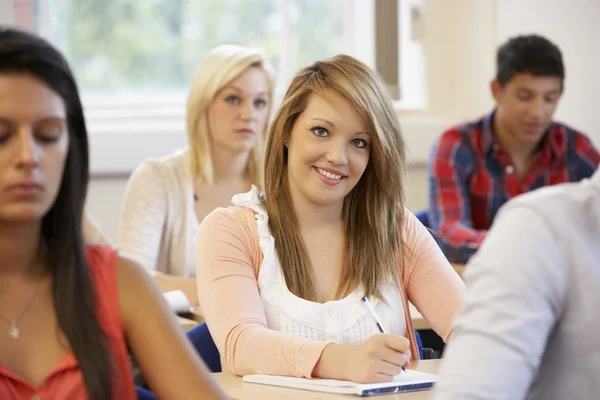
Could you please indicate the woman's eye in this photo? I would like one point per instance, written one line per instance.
(48, 134)
(360, 143)
(319, 131)
(260, 104)
(5, 131)
(232, 100)
(47, 139)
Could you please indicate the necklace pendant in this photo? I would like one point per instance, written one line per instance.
(13, 331)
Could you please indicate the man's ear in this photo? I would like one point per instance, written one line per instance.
(497, 90)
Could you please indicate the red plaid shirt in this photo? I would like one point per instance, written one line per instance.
(470, 178)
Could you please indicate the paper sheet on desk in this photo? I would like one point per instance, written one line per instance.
(178, 301)
(404, 382)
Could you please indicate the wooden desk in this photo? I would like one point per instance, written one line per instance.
(235, 388)
(418, 321)
(186, 324)
(459, 268)
(197, 316)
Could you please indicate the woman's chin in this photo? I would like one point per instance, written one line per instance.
(22, 214)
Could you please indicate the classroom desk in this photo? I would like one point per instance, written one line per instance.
(197, 316)
(419, 323)
(459, 268)
(235, 388)
(188, 323)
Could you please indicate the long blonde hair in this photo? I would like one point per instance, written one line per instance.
(220, 66)
(372, 211)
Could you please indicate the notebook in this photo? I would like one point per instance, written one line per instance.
(410, 380)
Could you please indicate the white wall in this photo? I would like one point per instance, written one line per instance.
(104, 203)
(459, 50)
(6, 12)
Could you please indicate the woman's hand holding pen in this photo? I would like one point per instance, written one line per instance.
(378, 359)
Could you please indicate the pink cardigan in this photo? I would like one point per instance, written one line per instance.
(229, 259)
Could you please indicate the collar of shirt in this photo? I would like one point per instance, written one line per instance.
(553, 143)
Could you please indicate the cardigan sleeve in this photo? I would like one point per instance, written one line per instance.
(431, 283)
(143, 216)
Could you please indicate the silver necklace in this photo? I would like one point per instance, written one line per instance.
(13, 330)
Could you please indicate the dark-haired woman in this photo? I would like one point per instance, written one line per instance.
(67, 309)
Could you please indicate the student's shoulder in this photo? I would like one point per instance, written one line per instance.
(460, 144)
(107, 265)
(543, 197)
(172, 170)
(100, 256)
(569, 131)
(102, 261)
(465, 134)
(566, 139)
(234, 219)
(173, 162)
(562, 204)
(233, 213)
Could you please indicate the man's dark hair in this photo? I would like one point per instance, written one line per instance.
(530, 54)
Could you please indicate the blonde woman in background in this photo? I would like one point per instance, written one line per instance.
(91, 232)
(290, 268)
(228, 110)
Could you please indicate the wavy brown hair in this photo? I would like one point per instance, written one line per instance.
(373, 211)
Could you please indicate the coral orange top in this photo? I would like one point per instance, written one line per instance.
(65, 381)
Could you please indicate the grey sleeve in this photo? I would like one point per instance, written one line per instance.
(516, 286)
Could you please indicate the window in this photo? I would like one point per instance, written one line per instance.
(413, 72)
(134, 59)
(151, 47)
(148, 49)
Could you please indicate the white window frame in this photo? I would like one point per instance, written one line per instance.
(131, 129)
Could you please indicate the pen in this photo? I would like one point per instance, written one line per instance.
(374, 315)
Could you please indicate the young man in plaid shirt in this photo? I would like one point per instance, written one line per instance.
(476, 167)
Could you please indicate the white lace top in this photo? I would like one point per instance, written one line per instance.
(344, 321)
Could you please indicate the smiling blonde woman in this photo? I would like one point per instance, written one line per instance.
(289, 267)
(227, 113)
